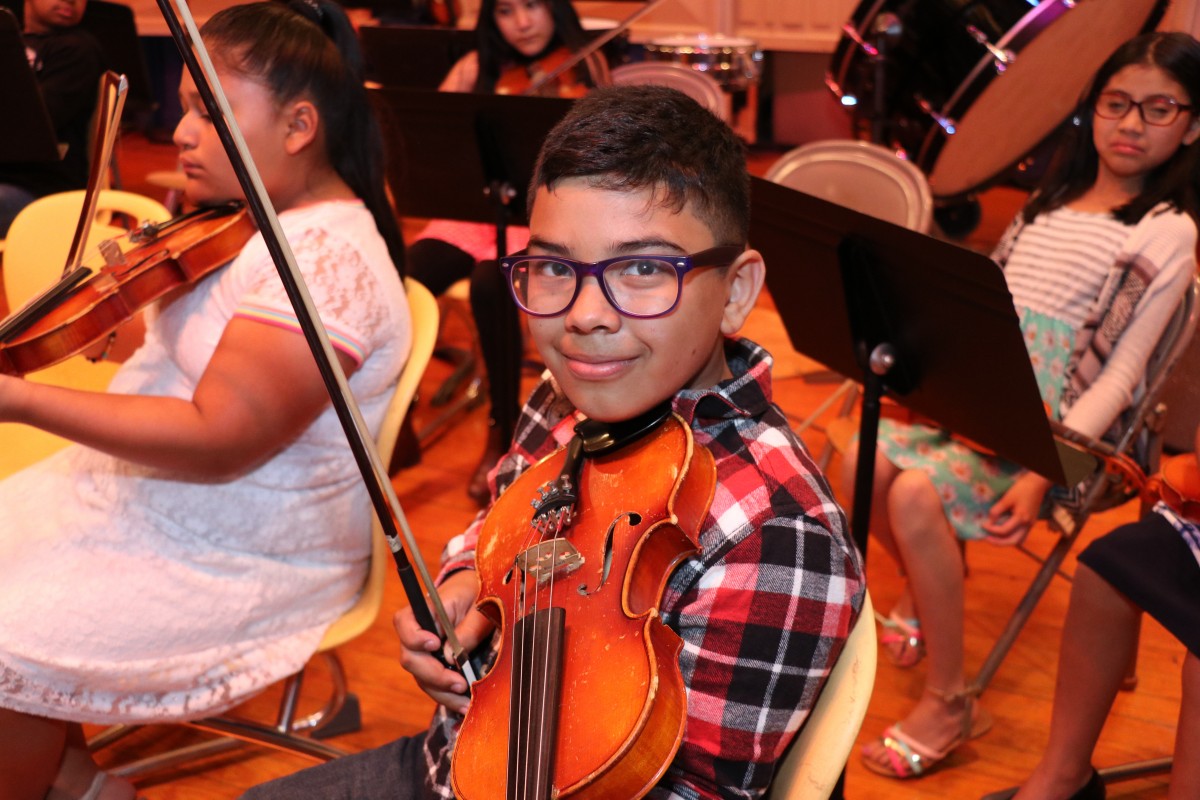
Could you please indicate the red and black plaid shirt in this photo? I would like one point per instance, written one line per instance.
(763, 610)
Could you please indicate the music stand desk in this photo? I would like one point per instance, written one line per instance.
(846, 283)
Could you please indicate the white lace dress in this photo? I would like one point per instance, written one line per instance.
(133, 594)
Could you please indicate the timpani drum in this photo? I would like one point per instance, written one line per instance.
(970, 88)
(735, 62)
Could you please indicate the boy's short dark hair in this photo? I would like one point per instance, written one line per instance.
(628, 138)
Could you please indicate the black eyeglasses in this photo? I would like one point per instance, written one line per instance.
(1157, 109)
(642, 287)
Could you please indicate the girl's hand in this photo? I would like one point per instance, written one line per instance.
(446, 686)
(1011, 517)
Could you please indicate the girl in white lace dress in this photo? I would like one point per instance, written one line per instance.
(210, 523)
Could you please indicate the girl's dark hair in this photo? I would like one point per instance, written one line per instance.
(1073, 169)
(495, 53)
(308, 48)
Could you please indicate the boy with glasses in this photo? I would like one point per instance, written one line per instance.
(636, 280)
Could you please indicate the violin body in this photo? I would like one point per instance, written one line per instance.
(532, 79)
(153, 261)
(1178, 485)
(617, 695)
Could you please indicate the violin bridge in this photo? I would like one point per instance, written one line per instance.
(111, 251)
(550, 559)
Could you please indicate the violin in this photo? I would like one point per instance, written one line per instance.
(585, 698)
(545, 77)
(90, 302)
(1178, 485)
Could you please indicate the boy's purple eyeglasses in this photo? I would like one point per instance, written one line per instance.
(638, 286)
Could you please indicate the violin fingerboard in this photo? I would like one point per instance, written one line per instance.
(534, 702)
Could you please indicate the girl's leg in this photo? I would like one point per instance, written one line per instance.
(1099, 636)
(932, 561)
(31, 749)
(1185, 771)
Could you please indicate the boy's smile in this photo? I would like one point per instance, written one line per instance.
(614, 367)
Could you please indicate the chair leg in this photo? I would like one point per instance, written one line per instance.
(1022, 613)
(339, 715)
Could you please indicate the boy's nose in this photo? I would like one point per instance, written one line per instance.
(591, 308)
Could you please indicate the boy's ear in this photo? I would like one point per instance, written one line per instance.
(303, 121)
(744, 280)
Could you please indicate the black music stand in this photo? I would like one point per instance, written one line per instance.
(928, 322)
(464, 157)
(412, 56)
(29, 135)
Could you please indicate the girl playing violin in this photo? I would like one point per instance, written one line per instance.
(513, 38)
(1097, 262)
(210, 523)
(640, 210)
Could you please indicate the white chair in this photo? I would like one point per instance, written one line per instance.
(340, 712)
(35, 251)
(699, 86)
(816, 757)
(860, 175)
(870, 179)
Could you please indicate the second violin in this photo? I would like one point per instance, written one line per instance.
(91, 301)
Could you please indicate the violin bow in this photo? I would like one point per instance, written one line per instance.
(110, 104)
(374, 473)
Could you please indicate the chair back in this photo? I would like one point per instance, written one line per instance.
(1170, 408)
(39, 240)
(423, 311)
(699, 86)
(860, 175)
(35, 251)
(816, 757)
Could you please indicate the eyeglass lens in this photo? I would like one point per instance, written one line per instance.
(1155, 110)
(637, 286)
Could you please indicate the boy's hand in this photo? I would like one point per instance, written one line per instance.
(446, 686)
(1010, 518)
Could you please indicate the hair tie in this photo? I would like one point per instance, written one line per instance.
(311, 10)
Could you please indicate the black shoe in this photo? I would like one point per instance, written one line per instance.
(1092, 790)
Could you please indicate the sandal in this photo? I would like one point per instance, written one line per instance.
(901, 639)
(909, 758)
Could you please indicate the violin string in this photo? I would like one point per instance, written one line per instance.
(543, 701)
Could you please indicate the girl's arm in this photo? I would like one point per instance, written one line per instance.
(1171, 242)
(462, 76)
(259, 392)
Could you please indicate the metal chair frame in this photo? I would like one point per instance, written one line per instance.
(1141, 440)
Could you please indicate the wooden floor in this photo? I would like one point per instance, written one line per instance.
(434, 499)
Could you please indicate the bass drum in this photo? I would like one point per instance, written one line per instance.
(969, 87)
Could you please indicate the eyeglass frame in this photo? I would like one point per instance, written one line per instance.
(1139, 104)
(719, 256)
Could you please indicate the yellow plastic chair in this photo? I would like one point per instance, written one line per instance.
(340, 712)
(35, 251)
(816, 757)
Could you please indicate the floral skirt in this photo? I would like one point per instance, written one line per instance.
(969, 482)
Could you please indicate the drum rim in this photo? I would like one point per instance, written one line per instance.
(720, 42)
